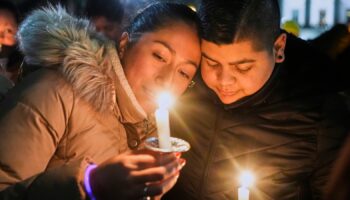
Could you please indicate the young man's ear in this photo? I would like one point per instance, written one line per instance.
(124, 40)
(279, 48)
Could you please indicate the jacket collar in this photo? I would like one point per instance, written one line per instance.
(130, 111)
(261, 95)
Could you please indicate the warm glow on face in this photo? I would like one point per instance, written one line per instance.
(246, 178)
(165, 100)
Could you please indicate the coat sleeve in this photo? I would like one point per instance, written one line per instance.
(32, 123)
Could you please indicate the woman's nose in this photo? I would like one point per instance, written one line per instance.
(163, 81)
(165, 77)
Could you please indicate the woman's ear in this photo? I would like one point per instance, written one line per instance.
(279, 47)
(124, 40)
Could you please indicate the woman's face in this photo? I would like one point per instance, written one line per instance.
(166, 59)
(8, 28)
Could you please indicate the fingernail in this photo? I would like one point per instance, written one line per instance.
(182, 162)
(178, 155)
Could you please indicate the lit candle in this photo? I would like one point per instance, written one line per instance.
(246, 180)
(162, 119)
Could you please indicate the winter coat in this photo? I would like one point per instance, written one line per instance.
(77, 109)
(5, 85)
(288, 134)
(339, 183)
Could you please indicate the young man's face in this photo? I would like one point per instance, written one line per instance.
(235, 70)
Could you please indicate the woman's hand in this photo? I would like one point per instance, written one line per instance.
(135, 175)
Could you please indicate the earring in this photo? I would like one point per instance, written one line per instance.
(191, 85)
(280, 56)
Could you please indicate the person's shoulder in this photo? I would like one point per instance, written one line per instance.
(302, 49)
(44, 85)
(46, 79)
(305, 65)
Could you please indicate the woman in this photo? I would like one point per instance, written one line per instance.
(84, 108)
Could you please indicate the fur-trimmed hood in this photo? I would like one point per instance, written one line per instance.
(51, 38)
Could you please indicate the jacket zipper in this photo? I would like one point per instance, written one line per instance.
(210, 156)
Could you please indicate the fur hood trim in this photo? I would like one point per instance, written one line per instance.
(51, 38)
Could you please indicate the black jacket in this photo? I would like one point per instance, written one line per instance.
(288, 133)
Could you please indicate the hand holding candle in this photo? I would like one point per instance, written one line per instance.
(246, 180)
(165, 100)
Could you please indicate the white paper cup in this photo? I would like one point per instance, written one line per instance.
(177, 145)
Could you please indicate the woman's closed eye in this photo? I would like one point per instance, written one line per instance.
(184, 74)
(158, 57)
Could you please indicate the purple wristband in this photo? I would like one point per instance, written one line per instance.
(87, 181)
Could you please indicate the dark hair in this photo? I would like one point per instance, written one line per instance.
(159, 15)
(228, 21)
(9, 6)
(112, 10)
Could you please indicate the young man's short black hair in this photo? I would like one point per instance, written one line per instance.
(228, 21)
(112, 10)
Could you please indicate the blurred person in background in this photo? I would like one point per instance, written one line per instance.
(10, 57)
(335, 43)
(74, 128)
(107, 16)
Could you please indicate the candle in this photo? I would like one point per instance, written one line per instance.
(162, 120)
(243, 193)
(246, 180)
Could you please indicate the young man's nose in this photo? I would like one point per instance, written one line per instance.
(226, 77)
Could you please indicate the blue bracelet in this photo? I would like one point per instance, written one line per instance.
(87, 181)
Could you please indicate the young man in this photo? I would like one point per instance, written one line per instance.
(264, 102)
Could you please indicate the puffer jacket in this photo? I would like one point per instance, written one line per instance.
(76, 109)
(288, 134)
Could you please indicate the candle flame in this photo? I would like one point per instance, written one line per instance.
(192, 8)
(246, 178)
(165, 100)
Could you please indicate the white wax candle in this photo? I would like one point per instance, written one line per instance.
(162, 120)
(243, 193)
(246, 179)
